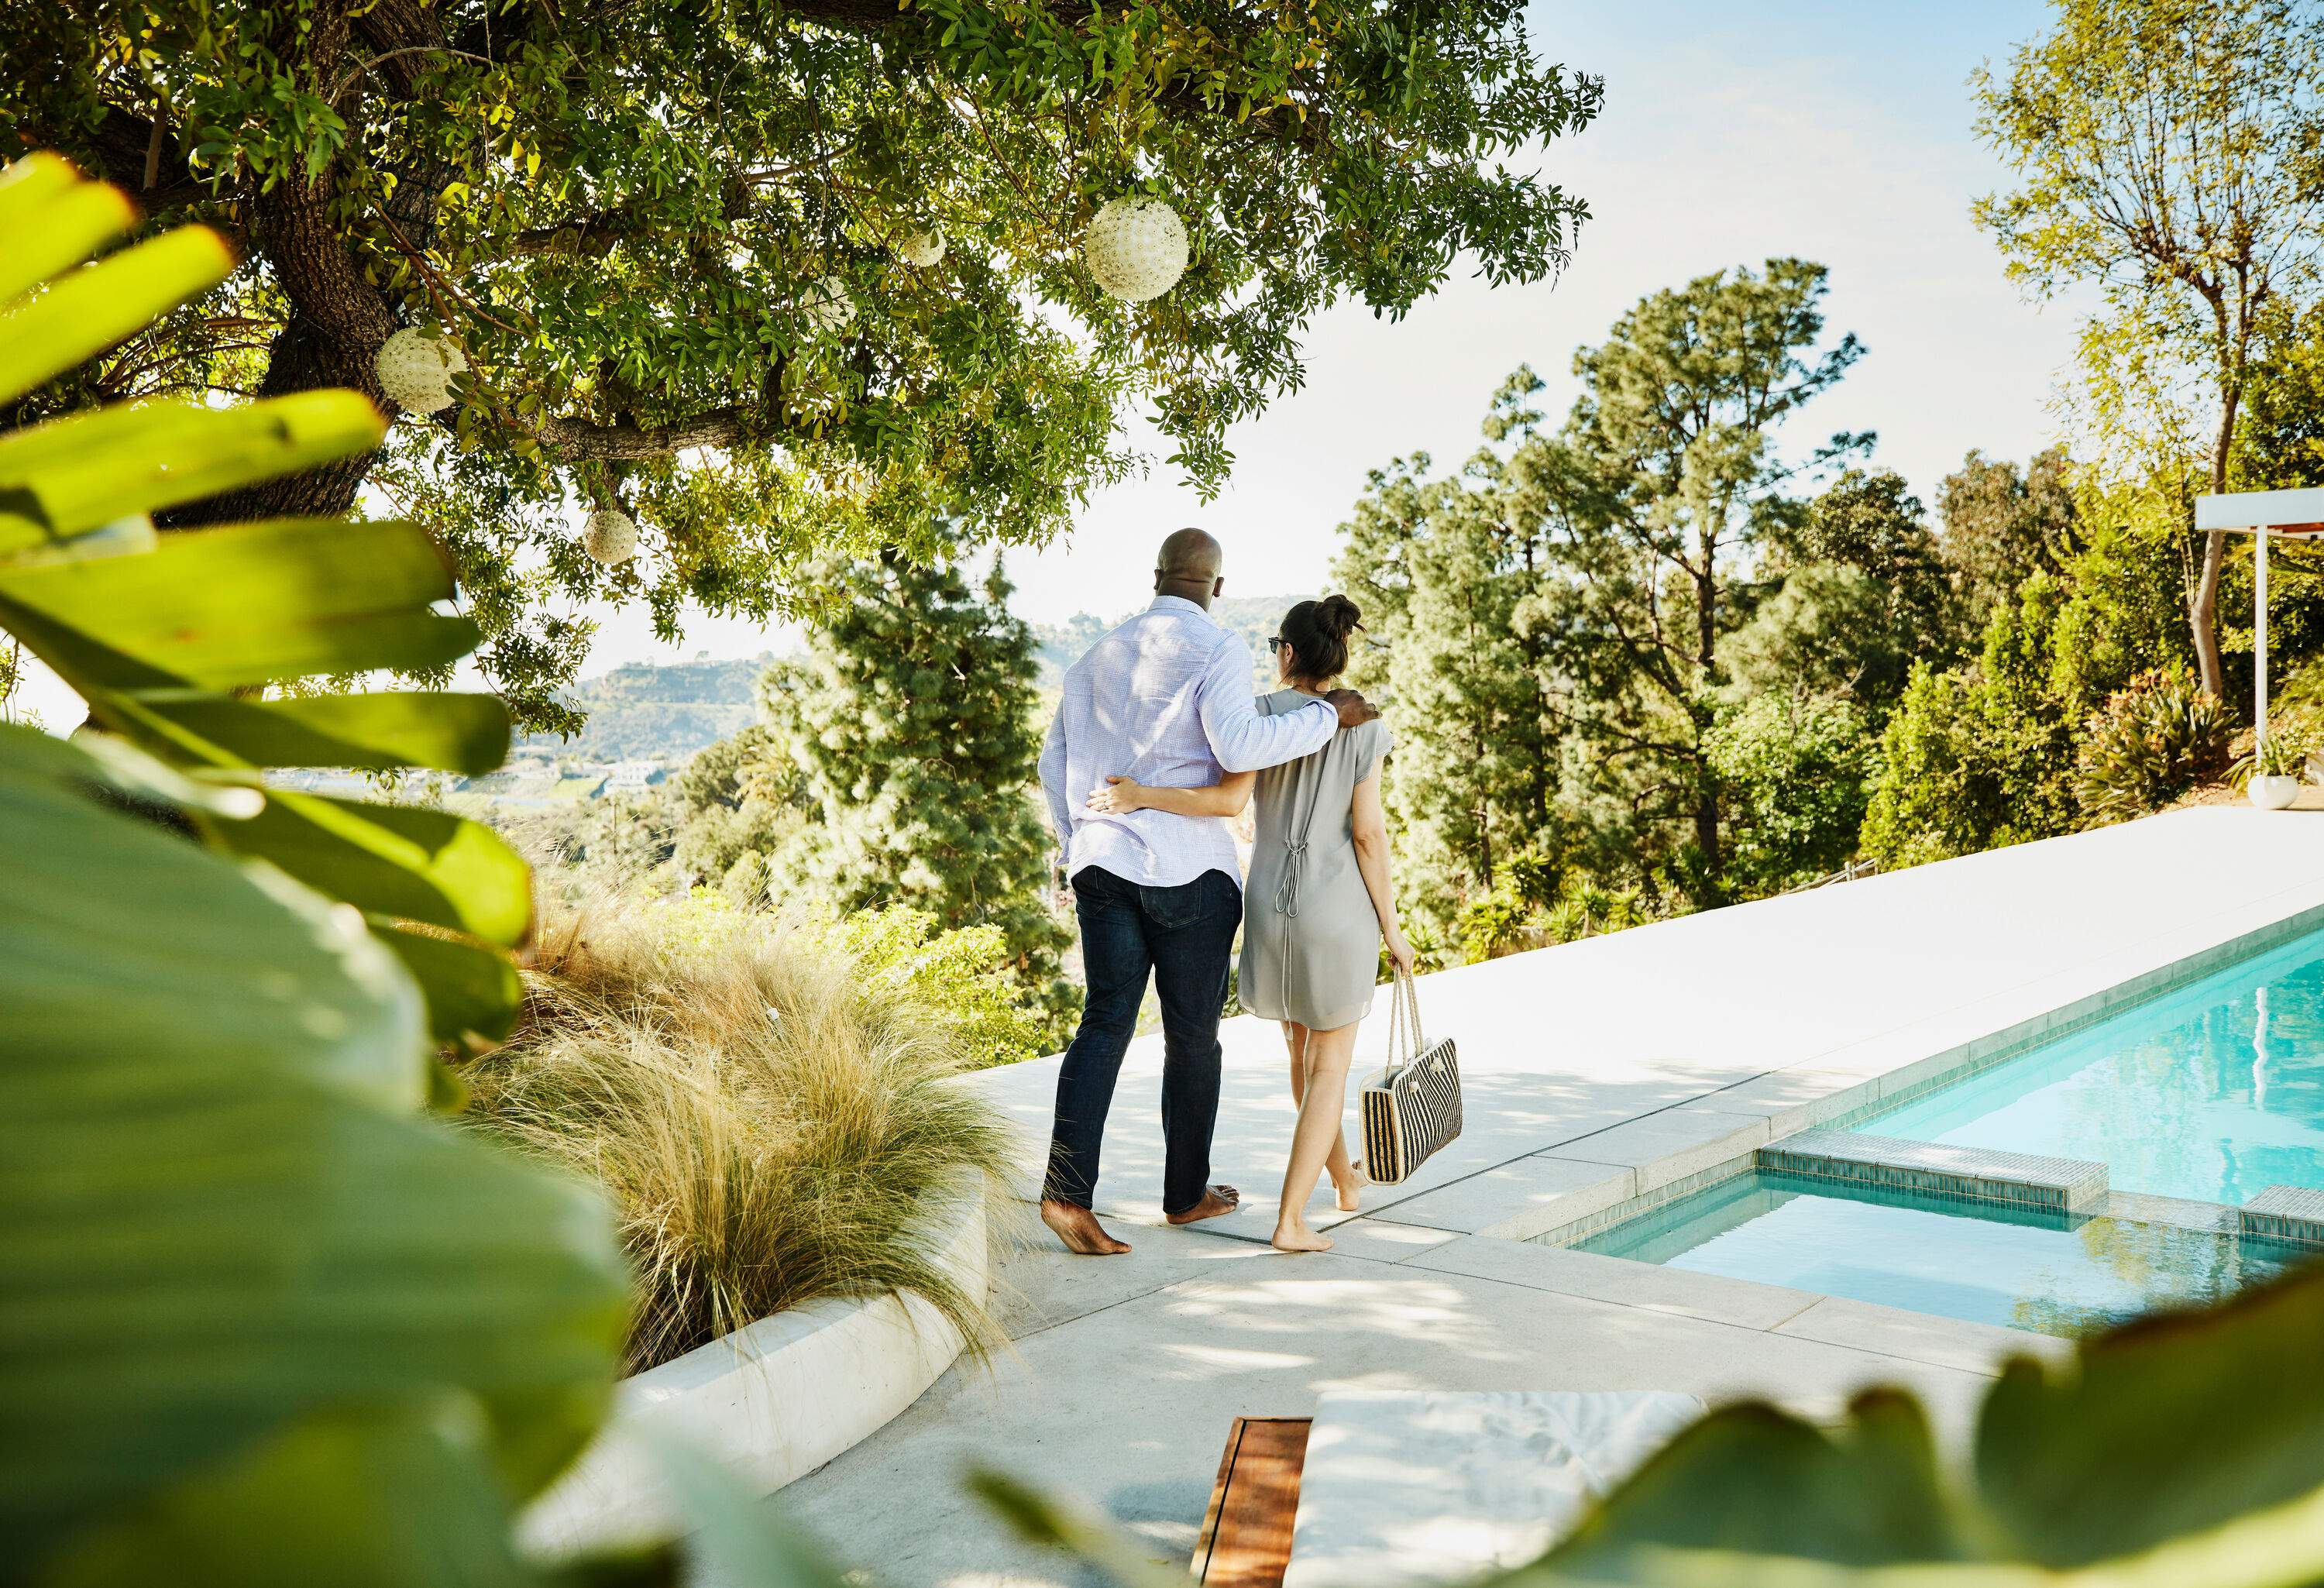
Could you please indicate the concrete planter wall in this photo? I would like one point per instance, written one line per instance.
(772, 1401)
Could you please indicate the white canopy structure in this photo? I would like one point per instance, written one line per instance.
(2263, 513)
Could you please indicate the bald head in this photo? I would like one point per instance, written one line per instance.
(1187, 567)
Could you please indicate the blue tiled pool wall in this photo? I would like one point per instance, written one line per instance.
(2020, 1267)
(1589, 1224)
(2013, 1042)
(2209, 1086)
(1986, 1178)
(2293, 1214)
(1975, 1058)
(1665, 1233)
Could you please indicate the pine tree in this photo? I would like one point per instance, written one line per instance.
(911, 726)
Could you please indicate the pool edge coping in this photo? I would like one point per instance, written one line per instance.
(1850, 1107)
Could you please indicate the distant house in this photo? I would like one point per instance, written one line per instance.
(630, 777)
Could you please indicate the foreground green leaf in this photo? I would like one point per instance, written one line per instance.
(87, 310)
(405, 861)
(2169, 1426)
(2180, 1449)
(226, 967)
(465, 733)
(400, 1494)
(53, 220)
(473, 988)
(254, 604)
(70, 475)
(195, 1261)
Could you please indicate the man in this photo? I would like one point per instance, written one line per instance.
(1166, 699)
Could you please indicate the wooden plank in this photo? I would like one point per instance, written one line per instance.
(1246, 1540)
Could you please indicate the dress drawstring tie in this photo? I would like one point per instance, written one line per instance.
(1286, 891)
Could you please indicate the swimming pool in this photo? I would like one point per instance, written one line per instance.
(2051, 1273)
(2213, 1092)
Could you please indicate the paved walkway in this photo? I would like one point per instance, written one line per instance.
(1593, 1071)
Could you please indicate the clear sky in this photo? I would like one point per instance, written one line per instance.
(1732, 132)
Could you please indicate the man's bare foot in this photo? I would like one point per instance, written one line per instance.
(1078, 1228)
(1217, 1200)
(1298, 1237)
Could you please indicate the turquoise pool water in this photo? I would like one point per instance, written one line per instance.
(2213, 1092)
(2049, 1273)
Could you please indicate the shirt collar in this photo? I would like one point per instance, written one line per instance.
(1177, 603)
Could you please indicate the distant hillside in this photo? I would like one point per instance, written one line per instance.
(659, 710)
(1253, 617)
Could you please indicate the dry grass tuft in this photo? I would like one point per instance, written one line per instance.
(772, 1125)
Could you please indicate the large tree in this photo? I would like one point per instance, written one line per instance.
(1446, 577)
(1865, 593)
(2170, 154)
(1665, 481)
(1554, 622)
(908, 736)
(674, 243)
(2003, 525)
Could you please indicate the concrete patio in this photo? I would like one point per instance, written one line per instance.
(1594, 1072)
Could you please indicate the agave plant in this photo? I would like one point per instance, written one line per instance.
(2155, 739)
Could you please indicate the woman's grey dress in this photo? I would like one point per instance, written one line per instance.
(1310, 936)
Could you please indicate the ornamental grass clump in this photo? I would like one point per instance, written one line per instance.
(773, 1124)
(2155, 739)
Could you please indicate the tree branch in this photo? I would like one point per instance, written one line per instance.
(580, 440)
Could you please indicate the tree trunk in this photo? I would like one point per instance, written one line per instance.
(2203, 606)
(1706, 802)
(337, 319)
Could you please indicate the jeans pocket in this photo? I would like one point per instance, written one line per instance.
(1173, 909)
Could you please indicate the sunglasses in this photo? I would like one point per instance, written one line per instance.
(1276, 642)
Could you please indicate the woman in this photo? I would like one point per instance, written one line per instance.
(1318, 905)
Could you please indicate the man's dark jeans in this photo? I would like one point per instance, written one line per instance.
(1185, 937)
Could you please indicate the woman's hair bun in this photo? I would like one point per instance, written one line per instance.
(1317, 632)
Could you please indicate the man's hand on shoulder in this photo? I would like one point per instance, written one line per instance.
(1353, 708)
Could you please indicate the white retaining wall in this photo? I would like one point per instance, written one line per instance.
(772, 1401)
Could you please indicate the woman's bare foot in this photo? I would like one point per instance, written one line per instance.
(1217, 1200)
(1078, 1228)
(1298, 1237)
(1349, 1193)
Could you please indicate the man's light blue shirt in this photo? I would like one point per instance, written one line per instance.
(1165, 700)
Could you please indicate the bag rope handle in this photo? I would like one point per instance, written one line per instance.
(1404, 1023)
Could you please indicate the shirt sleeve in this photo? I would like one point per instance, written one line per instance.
(1244, 740)
(1053, 780)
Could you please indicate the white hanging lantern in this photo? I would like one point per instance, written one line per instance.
(416, 366)
(827, 307)
(610, 537)
(1136, 248)
(921, 249)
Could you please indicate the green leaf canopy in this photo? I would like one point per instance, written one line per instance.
(675, 246)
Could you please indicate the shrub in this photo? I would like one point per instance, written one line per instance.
(1969, 762)
(2153, 740)
(769, 1106)
(1794, 772)
(1511, 920)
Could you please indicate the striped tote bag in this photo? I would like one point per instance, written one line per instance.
(1413, 1107)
